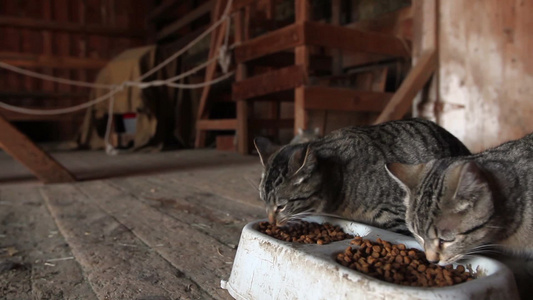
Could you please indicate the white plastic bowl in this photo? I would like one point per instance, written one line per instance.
(267, 268)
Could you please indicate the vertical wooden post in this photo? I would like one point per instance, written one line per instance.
(27, 153)
(274, 105)
(302, 12)
(425, 37)
(47, 86)
(240, 74)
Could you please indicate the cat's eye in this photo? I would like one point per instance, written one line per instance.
(442, 242)
(280, 208)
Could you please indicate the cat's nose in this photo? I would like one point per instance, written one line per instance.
(271, 217)
(432, 256)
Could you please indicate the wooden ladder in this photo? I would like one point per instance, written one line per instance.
(292, 82)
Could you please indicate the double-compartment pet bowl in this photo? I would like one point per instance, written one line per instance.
(267, 268)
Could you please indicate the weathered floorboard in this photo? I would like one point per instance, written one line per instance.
(117, 263)
(202, 258)
(203, 211)
(35, 261)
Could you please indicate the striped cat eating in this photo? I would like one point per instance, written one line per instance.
(343, 174)
(468, 205)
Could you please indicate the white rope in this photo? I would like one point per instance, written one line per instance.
(54, 79)
(138, 83)
(60, 111)
(109, 149)
(201, 84)
(102, 98)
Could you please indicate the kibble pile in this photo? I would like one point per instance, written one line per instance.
(305, 232)
(397, 264)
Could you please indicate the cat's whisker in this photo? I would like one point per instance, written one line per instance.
(495, 227)
(486, 246)
(302, 214)
(483, 251)
(253, 184)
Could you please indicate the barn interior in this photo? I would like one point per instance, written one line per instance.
(128, 167)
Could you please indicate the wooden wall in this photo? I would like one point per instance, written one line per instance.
(485, 85)
(69, 39)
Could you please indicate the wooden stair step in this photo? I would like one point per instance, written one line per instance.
(216, 124)
(272, 123)
(268, 83)
(323, 35)
(342, 99)
(286, 58)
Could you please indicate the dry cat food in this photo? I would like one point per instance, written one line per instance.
(305, 232)
(397, 264)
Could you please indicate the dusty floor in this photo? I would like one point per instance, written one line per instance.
(137, 226)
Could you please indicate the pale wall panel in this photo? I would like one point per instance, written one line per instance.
(486, 70)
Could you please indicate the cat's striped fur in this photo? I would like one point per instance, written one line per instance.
(343, 173)
(461, 206)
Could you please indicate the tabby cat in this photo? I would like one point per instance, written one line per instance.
(343, 174)
(306, 135)
(461, 206)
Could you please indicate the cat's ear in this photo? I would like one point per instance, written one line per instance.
(472, 186)
(265, 148)
(406, 175)
(317, 131)
(301, 159)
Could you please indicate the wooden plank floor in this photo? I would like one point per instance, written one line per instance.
(138, 226)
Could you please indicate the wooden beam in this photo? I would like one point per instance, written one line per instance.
(328, 98)
(26, 152)
(18, 117)
(272, 123)
(238, 4)
(317, 62)
(269, 82)
(217, 124)
(282, 39)
(396, 23)
(35, 24)
(302, 15)
(402, 100)
(164, 7)
(186, 19)
(241, 23)
(60, 62)
(10, 94)
(326, 35)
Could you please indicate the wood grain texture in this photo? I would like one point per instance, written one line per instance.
(326, 98)
(217, 124)
(486, 71)
(326, 35)
(30, 155)
(282, 39)
(118, 264)
(268, 83)
(402, 101)
(30, 23)
(241, 20)
(43, 266)
(51, 61)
